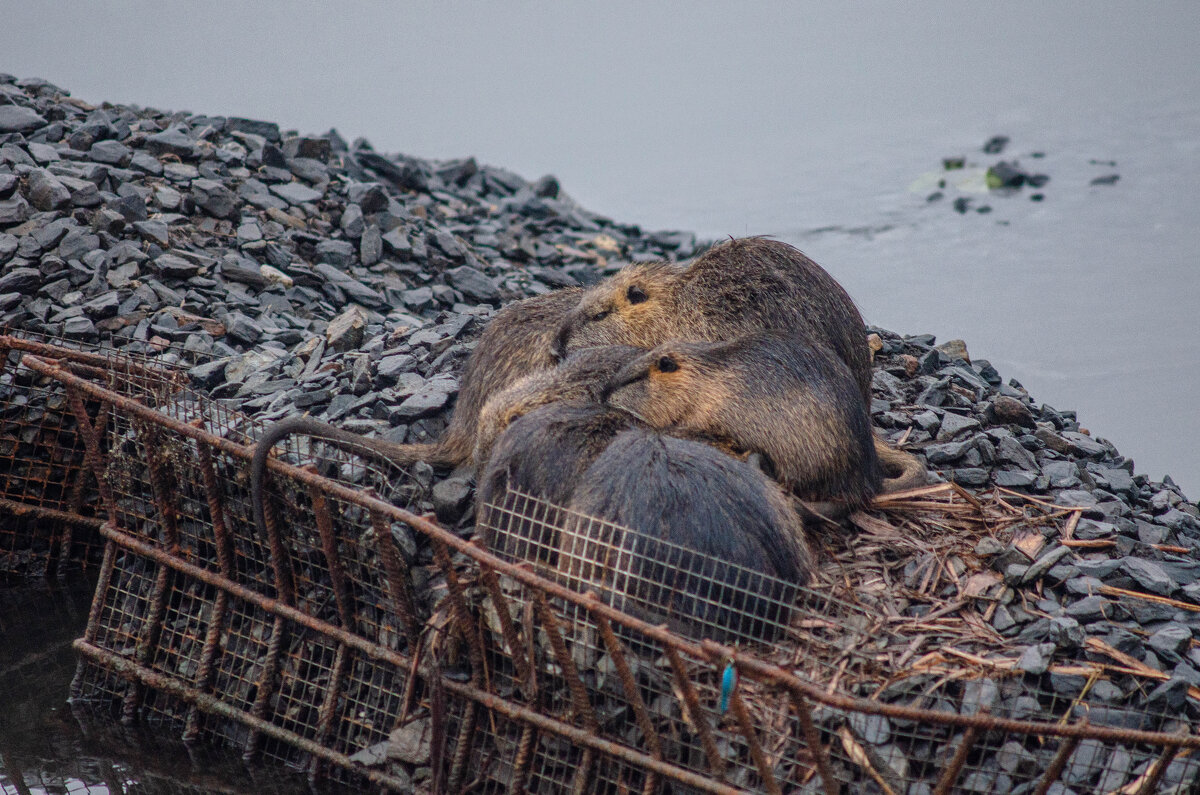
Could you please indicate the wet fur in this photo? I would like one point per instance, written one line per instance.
(581, 376)
(794, 404)
(689, 494)
(737, 287)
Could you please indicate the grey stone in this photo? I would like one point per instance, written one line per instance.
(113, 153)
(1036, 658)
(450, 499)
(1088, 609)
(153, 231)
(296, 193)
(1066, 633)
(13, 211)
(21, 280)
(172, 141)
(1149, 575)
(46, 192)
(428, 400)
(871, 729)
(18, 119)
(954, 424)
(948, 452)
(1171, 641)
(172, 266)
(473, 284)
(214, 198)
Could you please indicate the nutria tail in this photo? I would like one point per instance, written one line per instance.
(447, 451)
(901, 470)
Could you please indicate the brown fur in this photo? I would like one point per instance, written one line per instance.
(794, 404)
(580, 377)
(735, 288)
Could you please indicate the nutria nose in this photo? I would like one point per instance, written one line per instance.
(559, 348)
(634, 371)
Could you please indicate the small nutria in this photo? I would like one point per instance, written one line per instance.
(705, 542)
(578, 460)
(580, 377)
(794, 404)
(543, 454)
(737, 287)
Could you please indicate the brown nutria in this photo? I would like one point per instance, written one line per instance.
(737, 287)
(699, 540)
(516, 342)
(794, 404)
(580, 377)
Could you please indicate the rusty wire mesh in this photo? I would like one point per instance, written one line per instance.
(47, 495)
(356, 618)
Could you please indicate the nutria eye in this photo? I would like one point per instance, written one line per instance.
(636, 295)
(603, 313)
(667, 365)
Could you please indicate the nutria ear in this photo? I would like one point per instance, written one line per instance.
(666, 364)
(636, 295)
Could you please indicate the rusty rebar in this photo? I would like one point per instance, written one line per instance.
(950, 775)
(1057, 764)
(738, 708)
(1157, 769)
(333, 561)
(750, 667)
(458, 603)
(585, 738)
(327, 713)
(522, 659)
(131, 671)
(617, 654)
(695, 712)
(812, 739)
(224, 546)
(399, 582)
(91, 446)
(168, 516)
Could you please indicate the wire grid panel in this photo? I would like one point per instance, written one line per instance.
(41, 463)
(189, 499)
(829, 643)
(694, 594)
(640, 694)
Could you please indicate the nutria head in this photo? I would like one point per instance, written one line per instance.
(634, 307)
(671, 384)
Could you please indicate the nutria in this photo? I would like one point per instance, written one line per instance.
(580, 377)
(794, 404)
(706, 542)
(518, 341)
(543, 454)
(735, 288)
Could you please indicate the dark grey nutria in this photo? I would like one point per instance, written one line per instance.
(705, 541)
(737, 287)
(581, 376)
(543, 454)
(794, 404)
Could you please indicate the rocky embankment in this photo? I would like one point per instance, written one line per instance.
(308, 274)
